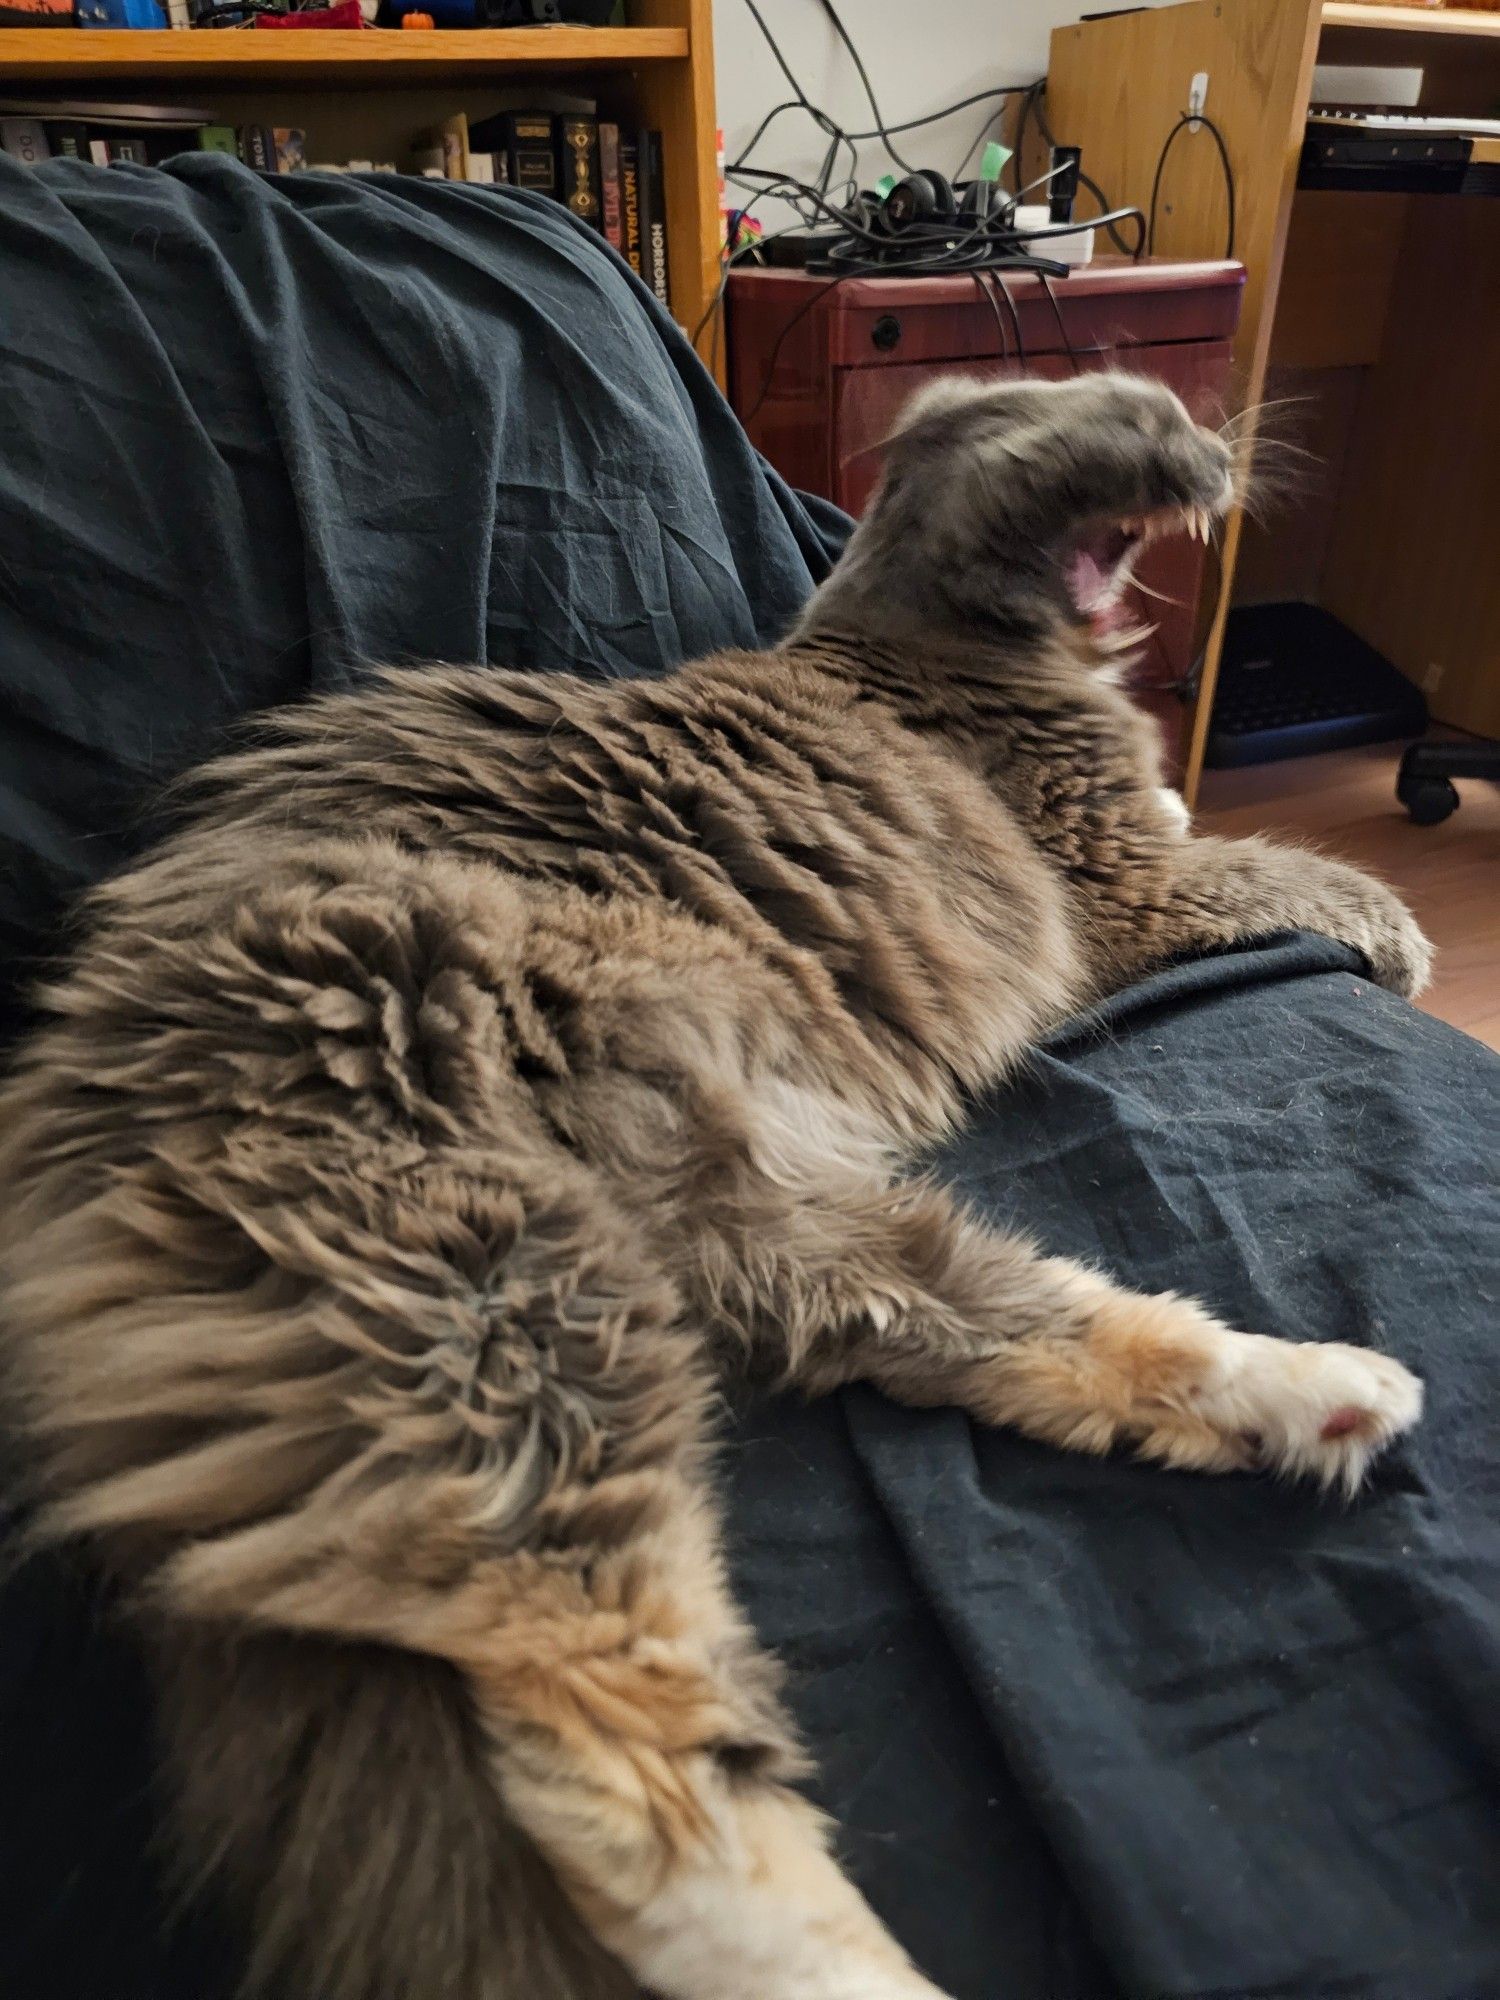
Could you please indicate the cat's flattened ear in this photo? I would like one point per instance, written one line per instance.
(936, 399)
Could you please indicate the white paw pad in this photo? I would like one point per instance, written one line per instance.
(1311, 1408)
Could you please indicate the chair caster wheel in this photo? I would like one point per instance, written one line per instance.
(1428, 800)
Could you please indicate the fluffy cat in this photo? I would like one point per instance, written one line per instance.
(491, 1065)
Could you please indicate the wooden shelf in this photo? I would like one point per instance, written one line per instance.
(1448, 23)
(311, 55)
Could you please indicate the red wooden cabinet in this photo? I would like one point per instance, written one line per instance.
(819, 369)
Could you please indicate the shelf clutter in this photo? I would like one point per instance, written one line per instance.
(313, 14)
(320, 96)
(610, 176)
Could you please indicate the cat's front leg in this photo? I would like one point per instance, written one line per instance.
(900, 1287)
(1226, 892)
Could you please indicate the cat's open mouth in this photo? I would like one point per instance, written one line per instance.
(1098, 563)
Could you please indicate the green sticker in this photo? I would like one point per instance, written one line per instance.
(884, 185)
(995, 156)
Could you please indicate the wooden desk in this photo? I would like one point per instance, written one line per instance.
(1378, 314)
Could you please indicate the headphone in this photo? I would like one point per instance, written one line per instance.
(925, 196)
(922, 221)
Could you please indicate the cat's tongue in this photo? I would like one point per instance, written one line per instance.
(1093, 576)
(1089, 581)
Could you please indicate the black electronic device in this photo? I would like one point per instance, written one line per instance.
(542, 13)
(1062, 182)
(1394, 153)
(924, 196)
(1293, 681)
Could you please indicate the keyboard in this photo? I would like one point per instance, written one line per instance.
(1293, 680)
(1417, 123)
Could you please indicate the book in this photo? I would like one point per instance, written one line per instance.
(525, 140)
(258, 148)
(653, 217)
(25, 139)
(68, 138)
(630, 200)
(130, 151)
(447, 144)
(104, 112)
(578, 168)
(481, 168)
(290, 144)
(99, 152)
(611, 203)
(218, 139)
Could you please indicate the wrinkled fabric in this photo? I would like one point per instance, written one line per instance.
(257, 434)
(1090, 1729)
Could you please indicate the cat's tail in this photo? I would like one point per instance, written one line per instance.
(342, 1794)
(353, 1456)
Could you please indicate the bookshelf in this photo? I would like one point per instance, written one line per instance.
(365, 93)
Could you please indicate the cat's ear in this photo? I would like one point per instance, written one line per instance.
(935, 400)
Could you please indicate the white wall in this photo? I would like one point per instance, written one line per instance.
(921, 54)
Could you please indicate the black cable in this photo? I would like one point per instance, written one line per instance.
(990, 300)
(961, 232)
(715, 308)
(1015, 320)
(976, 142)
(804, 102)
(781, 62)
(1185, 120)
(1062, 328)
(882, 129)
(884, 132)
(1017, 158)
(951, 110)
(776, 346)
(1134, 250)
(786, 104)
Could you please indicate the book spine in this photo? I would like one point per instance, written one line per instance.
(578, 165)
(99, 152)
(654, 218)
(131, 151)
(630, 202)
(530, 155)
(482, 169)
(218, 139)
(68, 138)
(258, 148)
(611, 203)
(25, 140)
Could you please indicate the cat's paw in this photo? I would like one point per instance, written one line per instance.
(1398, 951)
(1313, 1409)
(1382, 929)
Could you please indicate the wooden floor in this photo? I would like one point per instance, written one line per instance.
(1450, 874)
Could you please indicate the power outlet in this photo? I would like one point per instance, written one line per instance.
(1197, 95)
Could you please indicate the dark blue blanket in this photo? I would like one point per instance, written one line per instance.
(1091, 1729)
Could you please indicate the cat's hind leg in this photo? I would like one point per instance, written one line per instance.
(640, 1750)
